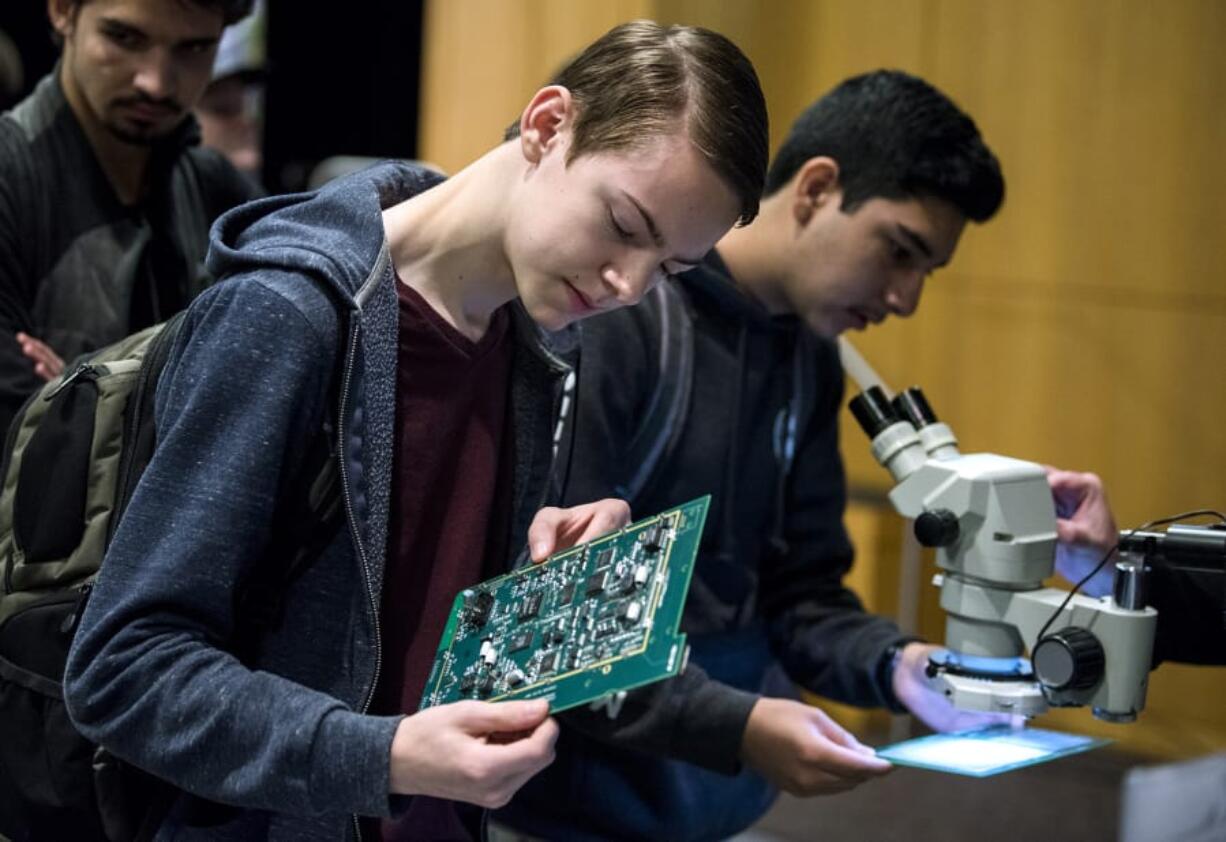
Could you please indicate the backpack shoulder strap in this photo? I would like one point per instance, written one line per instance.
(669, 405)
(139, 433)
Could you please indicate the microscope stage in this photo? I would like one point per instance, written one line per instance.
(987, 751)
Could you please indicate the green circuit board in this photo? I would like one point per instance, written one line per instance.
(586, 623)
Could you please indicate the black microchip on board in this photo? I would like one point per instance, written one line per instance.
(596, 582)
(653, 537)
(478, 606)
(520, 641)
(531, 606)
(549, 662)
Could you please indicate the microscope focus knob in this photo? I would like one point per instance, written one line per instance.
(937, 528)
(1069, 659)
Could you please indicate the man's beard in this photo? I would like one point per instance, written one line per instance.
(136, 133)
(135, 138)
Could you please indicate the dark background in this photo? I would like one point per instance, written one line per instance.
(343, 79)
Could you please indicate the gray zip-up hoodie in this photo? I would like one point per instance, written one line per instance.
(151, 675)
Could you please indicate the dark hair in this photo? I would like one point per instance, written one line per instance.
(894, 135)
(641, 79)
(231, 10)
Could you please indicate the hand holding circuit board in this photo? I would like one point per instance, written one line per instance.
(482, 753)
(594, 620)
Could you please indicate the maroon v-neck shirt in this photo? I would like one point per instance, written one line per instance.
(448, 507)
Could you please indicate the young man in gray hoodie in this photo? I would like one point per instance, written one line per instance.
(651, 145)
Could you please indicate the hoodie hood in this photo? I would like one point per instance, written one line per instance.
(334, 233)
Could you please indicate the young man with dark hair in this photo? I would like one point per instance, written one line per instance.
(455, 295)
(867, 196)
(105, 198)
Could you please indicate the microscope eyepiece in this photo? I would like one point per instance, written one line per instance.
(874, 411)
(913, 406)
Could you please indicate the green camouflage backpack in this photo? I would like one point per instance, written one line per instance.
(71, 460)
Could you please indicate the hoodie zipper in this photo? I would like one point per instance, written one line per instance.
(565, 400)
(350, 515)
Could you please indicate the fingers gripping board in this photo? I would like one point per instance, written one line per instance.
(586, 623)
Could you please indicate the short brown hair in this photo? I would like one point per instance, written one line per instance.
(640, 78)
(231, 10)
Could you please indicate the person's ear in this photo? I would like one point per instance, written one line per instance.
(63, 16)
(815, 185)
(545, 122)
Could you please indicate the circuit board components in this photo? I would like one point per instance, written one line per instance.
(586, 623)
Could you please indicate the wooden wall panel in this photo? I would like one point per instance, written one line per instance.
(1084, 326)
(483, 59)
(800, 47)
(1118, 387)
(1106, 114)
